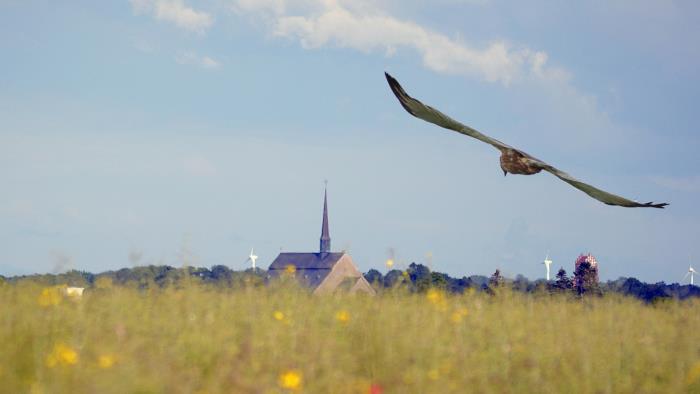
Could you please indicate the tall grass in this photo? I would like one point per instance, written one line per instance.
(198, 339)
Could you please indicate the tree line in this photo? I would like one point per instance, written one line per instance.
(416, 278)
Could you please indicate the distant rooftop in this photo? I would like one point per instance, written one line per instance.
(306, 261)
(589, 258)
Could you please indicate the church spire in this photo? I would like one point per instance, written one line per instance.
(325, 236)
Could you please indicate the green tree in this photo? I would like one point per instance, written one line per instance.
(586, 279)
(420, 276)
(563, 282)
(374, 277)
(439, 280)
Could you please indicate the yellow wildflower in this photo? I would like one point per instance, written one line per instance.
(390, 263)
(693, 373)
(433, 374)
(290, 269)
(278, 315)
(434, 296)
(105, 361)
(290, 380)
(49, 296)
(61, 355)
(68, 355)
(342, 316)
(437, 298)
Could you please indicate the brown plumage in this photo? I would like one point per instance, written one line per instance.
(513, 160)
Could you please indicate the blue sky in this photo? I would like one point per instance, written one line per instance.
(162, 131)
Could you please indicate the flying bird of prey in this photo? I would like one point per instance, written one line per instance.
(513, 160)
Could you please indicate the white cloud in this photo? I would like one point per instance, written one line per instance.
(174, 11)
(360, 26)
(191, 58)
(275, 6)
(366, 27)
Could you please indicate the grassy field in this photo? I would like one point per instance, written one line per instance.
(281, 339)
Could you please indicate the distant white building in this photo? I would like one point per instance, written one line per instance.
(73, 291)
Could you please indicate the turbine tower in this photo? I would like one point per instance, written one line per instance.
(547, 263)
(252, 257)
(691, 272)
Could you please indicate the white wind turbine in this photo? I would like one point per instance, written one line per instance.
(691, 272)
(547, 263)
(252, 257)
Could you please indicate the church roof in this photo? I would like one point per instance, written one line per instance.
(306, 261)
(311, 269)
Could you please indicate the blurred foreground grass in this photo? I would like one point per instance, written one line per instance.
(197, 339)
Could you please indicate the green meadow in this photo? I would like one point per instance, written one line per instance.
(195, 338)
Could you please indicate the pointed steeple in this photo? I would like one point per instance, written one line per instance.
(325, 235)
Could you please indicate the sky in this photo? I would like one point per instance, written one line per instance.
(186, 132)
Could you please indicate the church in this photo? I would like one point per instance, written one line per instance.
(325, 271)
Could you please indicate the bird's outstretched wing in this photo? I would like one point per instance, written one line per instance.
(598, 194)
(430, 114)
